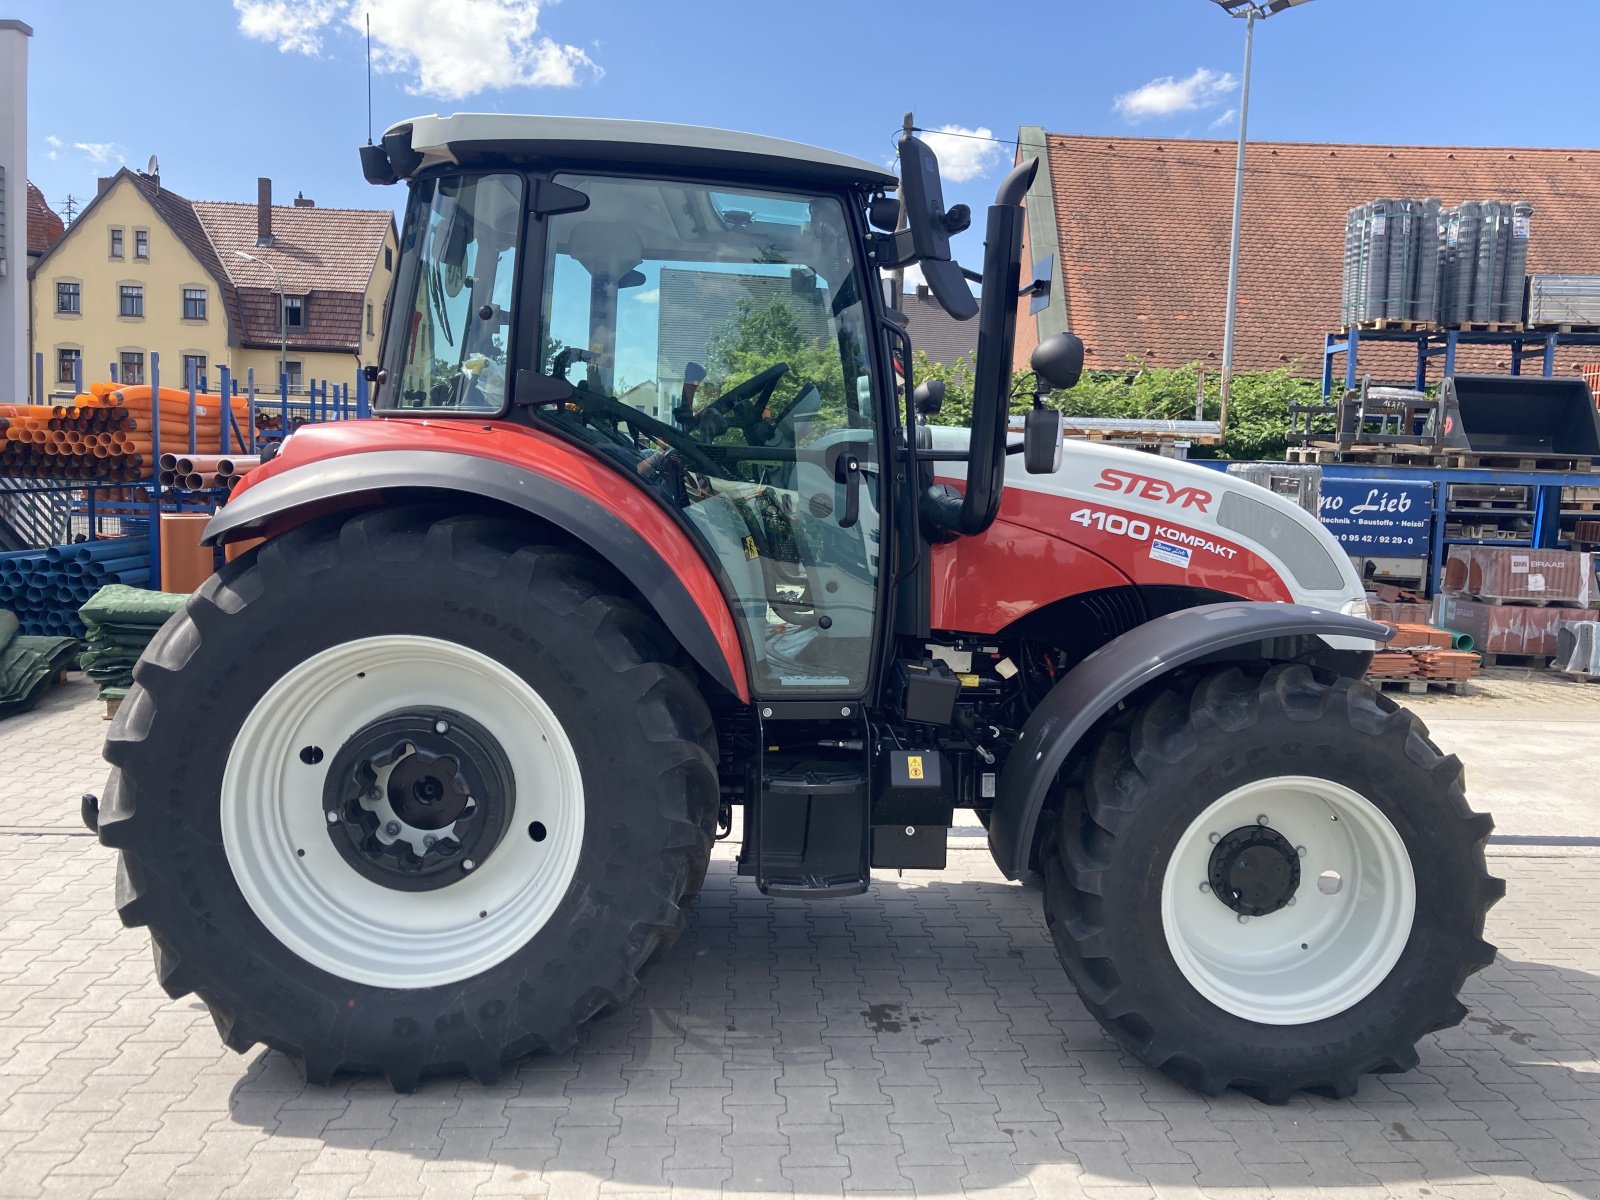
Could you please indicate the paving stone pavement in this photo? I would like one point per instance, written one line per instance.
(920, 1040)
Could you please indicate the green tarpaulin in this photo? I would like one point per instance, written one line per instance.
(120, 621)
(28, 665)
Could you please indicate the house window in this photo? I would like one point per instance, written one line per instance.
(291, 368)
(69, 298)
(67, 365)
(194, 304)
(116, 243)
(130, 300)
(294, 313)
(194, 366)
(132, 369)
(141, 243)
(388, 259)
(369, 319)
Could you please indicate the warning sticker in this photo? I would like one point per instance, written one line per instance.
(1536, 583)
(914, 766)
(750, 550)
(1177, 556)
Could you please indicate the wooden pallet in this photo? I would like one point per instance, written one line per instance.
(1490, 506)
(1382, 323)
(1538, 662)
(1565, 327)
(111, 709)
(1517, 462)
(1415, 685)
(1580, 506)
(1488, 327)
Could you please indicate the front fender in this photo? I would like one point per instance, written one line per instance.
(1121, 667)
(330, 467)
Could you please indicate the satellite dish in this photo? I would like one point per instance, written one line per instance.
(154, 168)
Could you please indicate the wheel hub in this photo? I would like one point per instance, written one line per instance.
(418, 799)
(1254, 871)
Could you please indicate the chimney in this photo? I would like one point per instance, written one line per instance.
(102, 183)
(300, 201)
(263, 211)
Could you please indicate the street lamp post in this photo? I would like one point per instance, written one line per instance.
(283, 324)
(1250, 11)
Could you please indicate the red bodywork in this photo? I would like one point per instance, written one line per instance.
(530, 450)
(1035, 554)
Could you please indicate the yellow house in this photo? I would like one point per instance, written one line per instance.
(294, 290)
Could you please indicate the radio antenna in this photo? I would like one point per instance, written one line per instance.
(369, 79)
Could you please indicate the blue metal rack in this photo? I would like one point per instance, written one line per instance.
(1527, 345)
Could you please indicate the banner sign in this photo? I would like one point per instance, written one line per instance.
(1376, 518)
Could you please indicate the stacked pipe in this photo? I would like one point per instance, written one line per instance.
(198, 472)
(108, 433)
(46, 587)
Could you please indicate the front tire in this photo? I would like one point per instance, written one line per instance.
(1269, 882)
(403, 794)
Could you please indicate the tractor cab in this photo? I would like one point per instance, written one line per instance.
(701, 310)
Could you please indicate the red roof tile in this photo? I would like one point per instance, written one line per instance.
(44, 227)
(1144, 227)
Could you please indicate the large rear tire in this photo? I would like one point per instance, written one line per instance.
(402, 794)
(1269, 882)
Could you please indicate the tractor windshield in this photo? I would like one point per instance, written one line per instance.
(717, 338)
(461, 232)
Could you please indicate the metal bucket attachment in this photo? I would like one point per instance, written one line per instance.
(1519, 414)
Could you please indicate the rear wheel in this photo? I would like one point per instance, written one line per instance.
(402, 794)
(1269, 882)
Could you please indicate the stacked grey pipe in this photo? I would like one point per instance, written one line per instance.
(1414, 260)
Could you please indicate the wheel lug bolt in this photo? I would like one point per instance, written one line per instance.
(1291, 900)
(441, 727)
(1205, 887)
(467, 864)
(428, 840)
(1261, 819)
(1300, 850)
(333, 818)
(372, 794)
(392, 828)
(1215, 838)
(1243, 919)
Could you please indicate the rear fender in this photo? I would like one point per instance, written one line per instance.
(547, 480)
(1241, 630)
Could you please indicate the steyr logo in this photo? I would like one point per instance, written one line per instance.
(1149, 488)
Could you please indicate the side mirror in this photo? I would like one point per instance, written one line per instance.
(928, 398)
(1041, 441)
(1058, 360)
(929, 226)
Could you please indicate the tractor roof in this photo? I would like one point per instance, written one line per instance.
(481, 138)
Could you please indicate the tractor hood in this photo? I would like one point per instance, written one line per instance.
(1145, 489)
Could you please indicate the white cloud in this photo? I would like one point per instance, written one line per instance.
(55, 145)
(100, 153)
(1224, 118)
(450, 48)
(294, 25)
(648, 296)
(913, 277)
(963, 155)
(1166, 96)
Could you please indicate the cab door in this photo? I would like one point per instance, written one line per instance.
(717, 338)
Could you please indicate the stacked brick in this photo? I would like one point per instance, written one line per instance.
(1514, 601)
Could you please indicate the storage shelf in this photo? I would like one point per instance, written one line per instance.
(1488, 513)
(1525, 543)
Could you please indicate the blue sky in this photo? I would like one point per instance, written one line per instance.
(222, 92)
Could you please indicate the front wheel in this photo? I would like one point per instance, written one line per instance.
(1269, 882)
(403, 794)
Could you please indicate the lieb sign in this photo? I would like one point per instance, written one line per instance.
(1377, 518)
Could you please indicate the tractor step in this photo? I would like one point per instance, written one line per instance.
(811, 832)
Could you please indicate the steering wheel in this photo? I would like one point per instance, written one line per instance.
(759, 386)
(595, 408)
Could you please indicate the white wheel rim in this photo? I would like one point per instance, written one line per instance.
(1322, 953)
(316, 903)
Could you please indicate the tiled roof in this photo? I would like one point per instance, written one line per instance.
(1144, 228)
(44, 227)
(935, 332)
(179, 215)
(325, 255)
